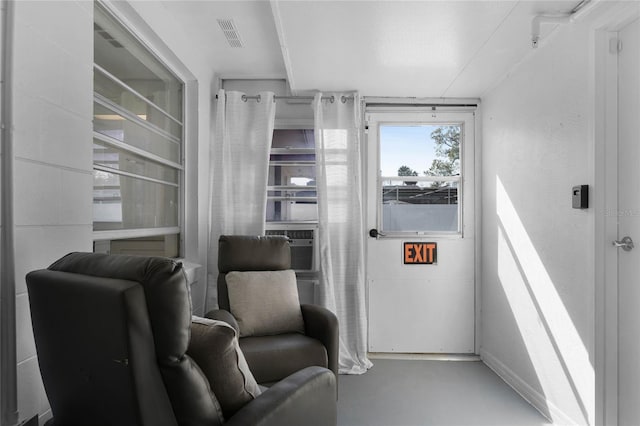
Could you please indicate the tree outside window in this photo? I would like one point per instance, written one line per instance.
(447, 148)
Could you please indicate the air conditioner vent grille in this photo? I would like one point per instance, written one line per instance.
(230, 32)
(108, 37)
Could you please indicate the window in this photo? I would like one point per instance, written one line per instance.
(420, 170)
(420, 177)
(137, 145)
(291, 195)
(292, 201)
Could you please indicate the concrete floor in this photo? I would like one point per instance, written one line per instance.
(425, 392)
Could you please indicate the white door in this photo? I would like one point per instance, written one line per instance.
(421, 264)
(629, 225)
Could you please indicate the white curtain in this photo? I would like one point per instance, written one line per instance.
(340, 216)
(240, 167)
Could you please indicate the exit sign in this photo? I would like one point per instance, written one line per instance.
(420, 253)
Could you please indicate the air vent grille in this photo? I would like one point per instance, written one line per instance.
(108, 37)
(230, 31)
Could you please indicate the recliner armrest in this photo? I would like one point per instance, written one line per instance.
(306, 397)
(322, 324)
(222, 315)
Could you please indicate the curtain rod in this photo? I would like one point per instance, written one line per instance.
(331, 99)
(375, 101)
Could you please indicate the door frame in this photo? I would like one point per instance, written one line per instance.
(604, 92)
(417, 105)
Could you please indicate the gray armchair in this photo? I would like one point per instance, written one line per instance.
(116, 346)
(272, 357)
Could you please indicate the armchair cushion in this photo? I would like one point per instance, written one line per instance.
(214, 347)
(273, 357)
(265, 302)
(307, 397)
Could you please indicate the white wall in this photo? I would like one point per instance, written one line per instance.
(537, 252)
(53, 94)
(52, 113)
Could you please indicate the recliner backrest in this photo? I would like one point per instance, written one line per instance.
(250, 253)
(118, 328)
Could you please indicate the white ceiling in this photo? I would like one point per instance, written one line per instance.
(421, 48)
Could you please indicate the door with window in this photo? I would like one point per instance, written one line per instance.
(421, 249)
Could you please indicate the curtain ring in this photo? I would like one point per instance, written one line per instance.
(244, 98)
(258, 98)
(332, 99)
(343, 99)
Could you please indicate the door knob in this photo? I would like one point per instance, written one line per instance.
(626, 243)
(374, 233)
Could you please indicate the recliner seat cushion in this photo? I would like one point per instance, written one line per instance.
(274, 357)
(214, 347)
(265, 302)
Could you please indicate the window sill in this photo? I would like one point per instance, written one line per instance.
(190, 269)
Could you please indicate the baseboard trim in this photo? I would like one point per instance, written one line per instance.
(423, 357)
(531, 395)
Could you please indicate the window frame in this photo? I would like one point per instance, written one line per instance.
(293, 228)
(155, 48)
(292, 125)
(423, 116)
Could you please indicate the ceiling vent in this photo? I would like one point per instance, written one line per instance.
(230, 31)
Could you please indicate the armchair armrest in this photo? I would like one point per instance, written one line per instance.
(321, 324)
(222, 315)
(306, 397)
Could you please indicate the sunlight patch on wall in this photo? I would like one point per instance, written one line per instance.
(557, 352)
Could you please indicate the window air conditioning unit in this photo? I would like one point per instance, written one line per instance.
(303, 242)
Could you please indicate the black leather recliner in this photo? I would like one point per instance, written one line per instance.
(112, 335)
(274, 357)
